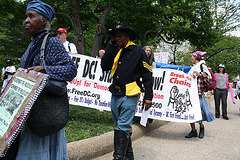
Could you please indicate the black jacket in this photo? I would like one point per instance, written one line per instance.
(130, 68)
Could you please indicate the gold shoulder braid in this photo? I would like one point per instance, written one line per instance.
(146, 65)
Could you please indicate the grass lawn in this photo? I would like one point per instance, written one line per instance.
(87, 122)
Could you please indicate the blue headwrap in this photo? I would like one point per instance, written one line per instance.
(42, 8)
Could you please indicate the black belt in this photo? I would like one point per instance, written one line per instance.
(223, 89)
(200, 96)
(119, 88)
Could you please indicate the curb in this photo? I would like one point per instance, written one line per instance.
(103, 144)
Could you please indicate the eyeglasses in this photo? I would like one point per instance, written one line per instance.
(60, 33)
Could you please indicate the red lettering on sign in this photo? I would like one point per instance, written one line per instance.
(179, 82)
(76, 82)
(101, 87)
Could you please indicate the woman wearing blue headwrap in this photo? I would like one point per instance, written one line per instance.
(59, 66)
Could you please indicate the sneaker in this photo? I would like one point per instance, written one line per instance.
(217, 116)
(193, 133)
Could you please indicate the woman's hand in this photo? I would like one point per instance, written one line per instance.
(196, 74)
(37, 69)
(212, 92)
(193, 75)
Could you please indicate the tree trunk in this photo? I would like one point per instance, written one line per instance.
(78, 38)
(174, 53)
(100, 30)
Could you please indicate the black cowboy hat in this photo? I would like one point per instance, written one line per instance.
(122, 27)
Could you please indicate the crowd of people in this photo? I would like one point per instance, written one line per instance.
(131, 69)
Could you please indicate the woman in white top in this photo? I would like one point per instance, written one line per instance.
(203, 76)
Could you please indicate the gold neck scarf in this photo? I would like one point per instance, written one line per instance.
(115, 64)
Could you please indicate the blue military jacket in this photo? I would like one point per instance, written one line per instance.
(133, 65)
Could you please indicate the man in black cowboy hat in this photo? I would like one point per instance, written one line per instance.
(128, 64)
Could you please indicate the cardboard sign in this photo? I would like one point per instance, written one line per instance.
(16, 102)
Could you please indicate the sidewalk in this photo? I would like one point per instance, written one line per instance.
(221, 141)
(100, 145)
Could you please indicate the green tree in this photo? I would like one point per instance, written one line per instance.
(171, 21)
(13, 40)
(226, 15)
(154, 21)
(227, 52)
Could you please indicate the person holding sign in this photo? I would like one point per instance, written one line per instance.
(203, 77)
(59, 66)
(129, 63)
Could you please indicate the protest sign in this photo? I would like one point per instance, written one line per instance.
(90, 87)
(175, 93)
(161, 57)
(175, 97)
(16, 102)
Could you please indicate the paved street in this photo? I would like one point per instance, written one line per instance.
(221, 141)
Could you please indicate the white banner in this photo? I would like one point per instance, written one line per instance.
(175, 93)
(161, 57)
